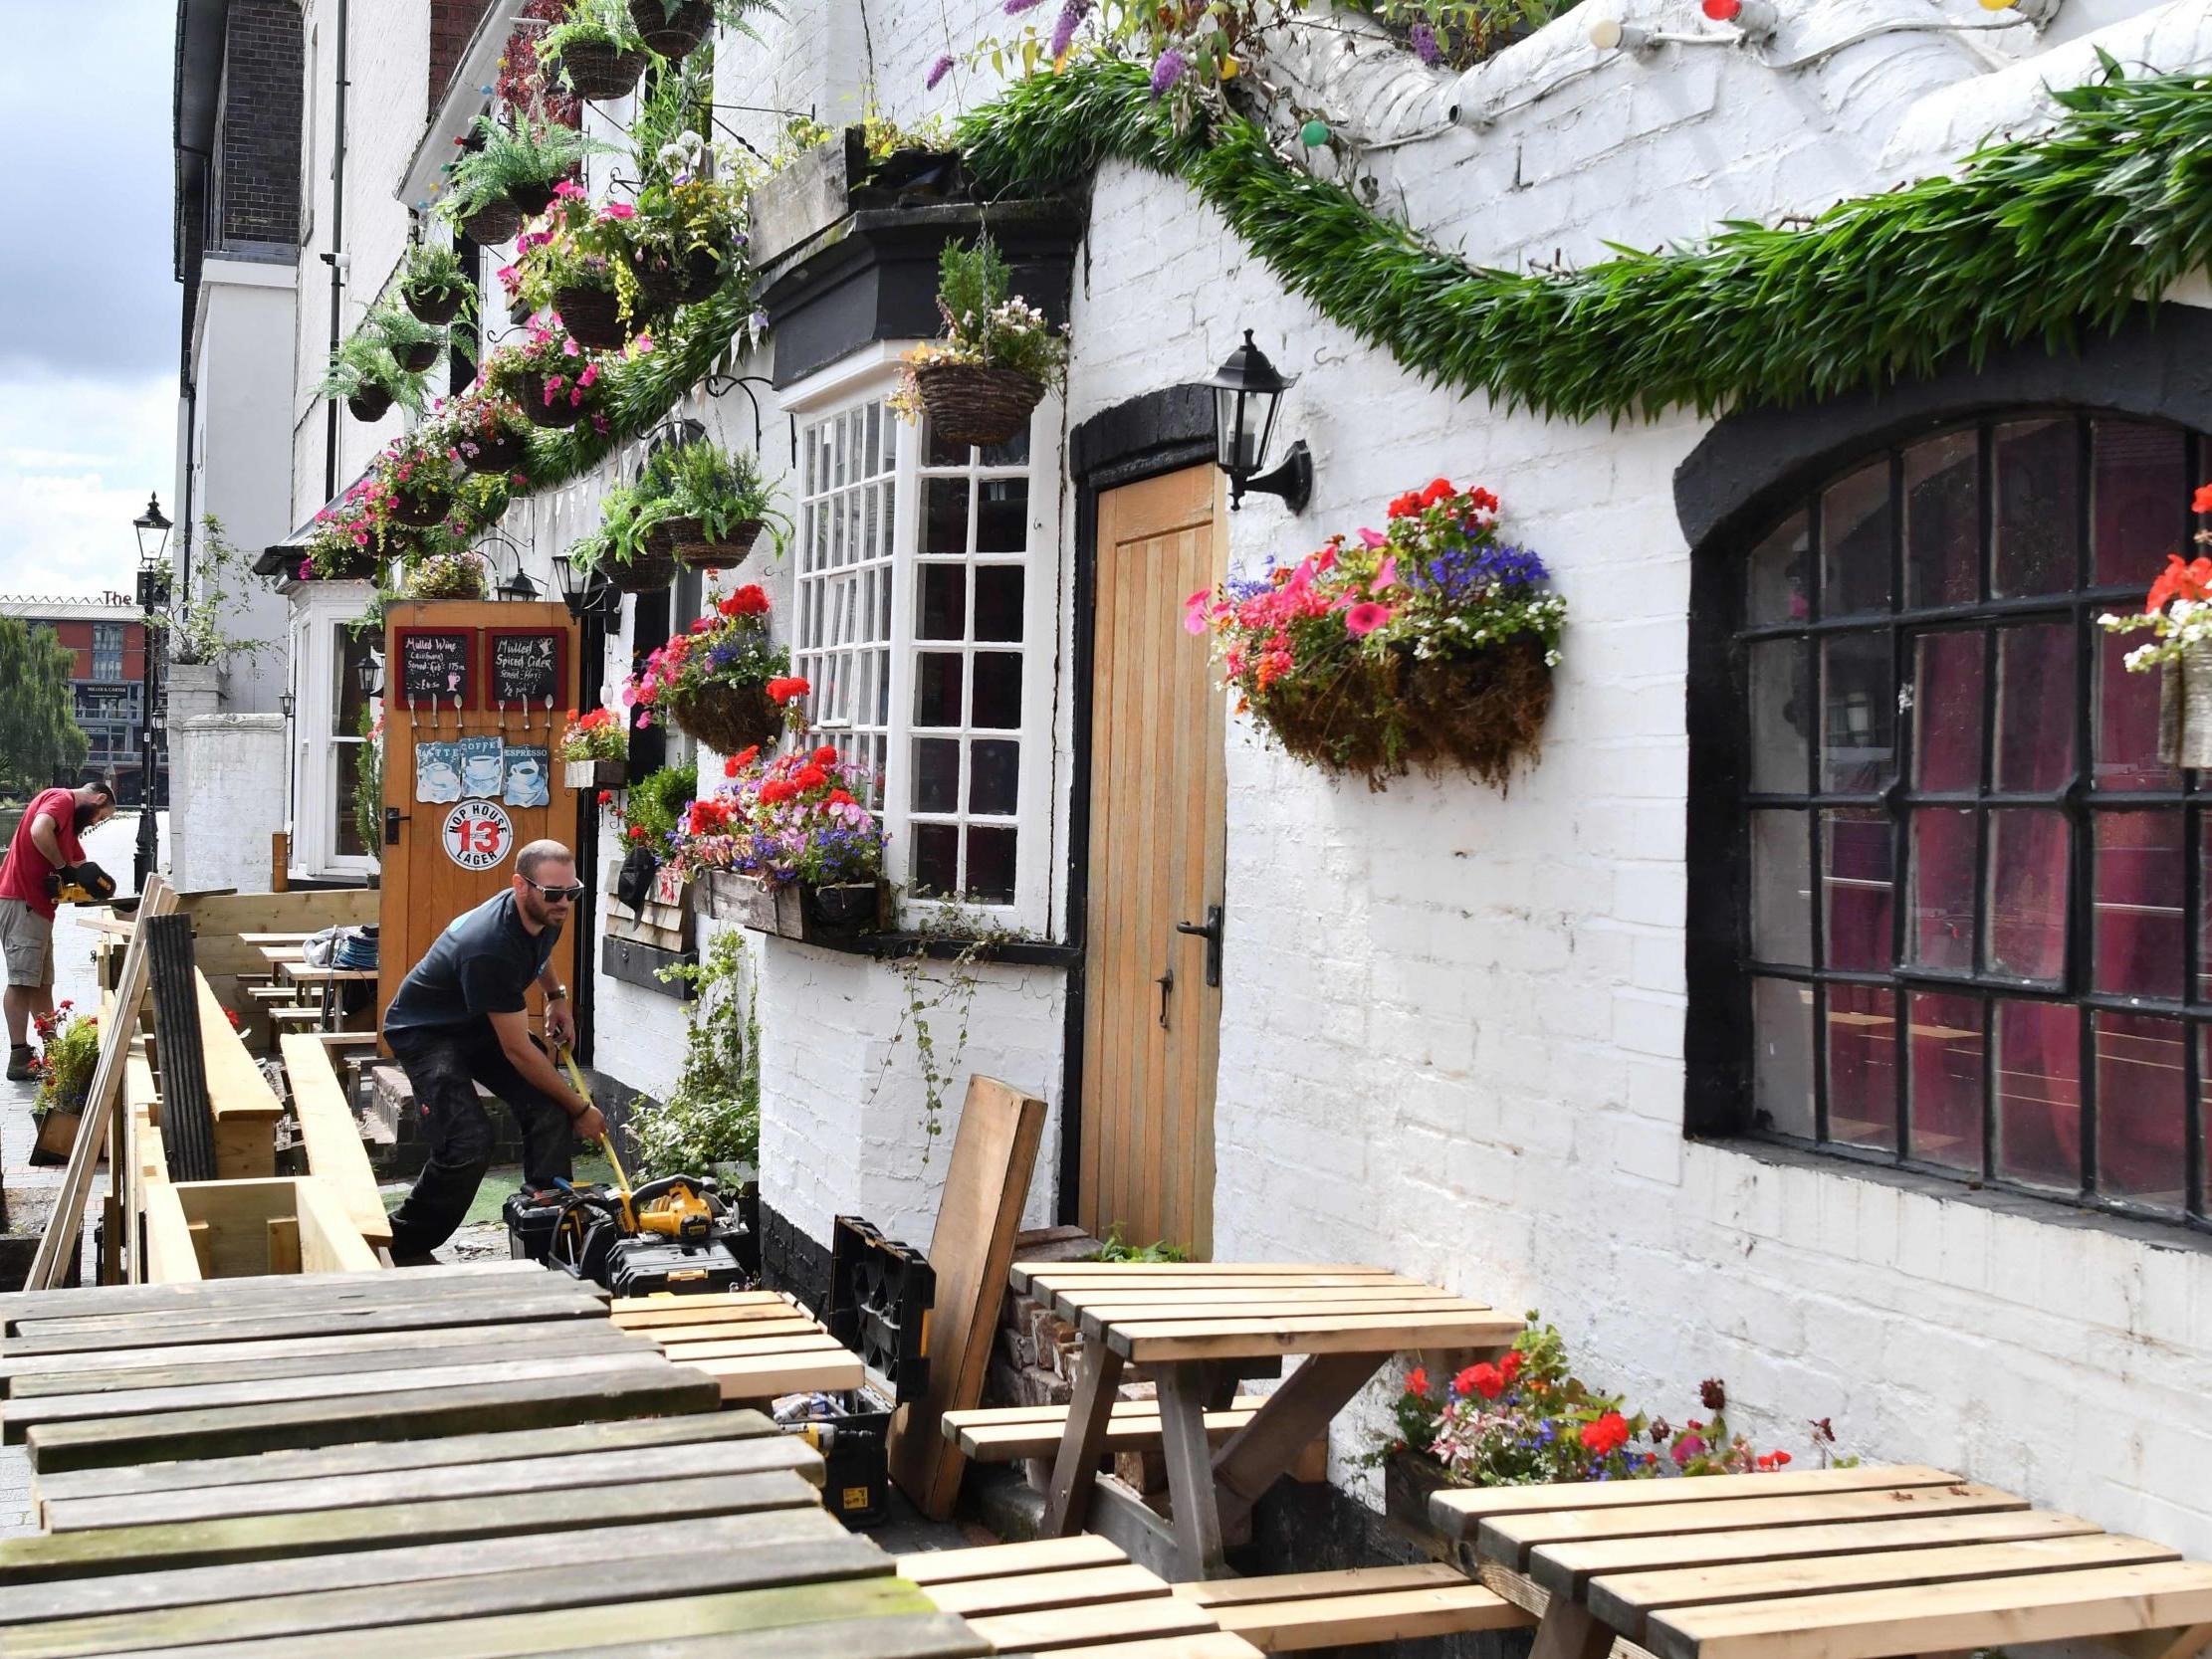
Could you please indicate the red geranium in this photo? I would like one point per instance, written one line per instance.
(788, 690)
(747, 600)
(1417, 1380)
(2202, 501)
(606, 797)
(1605, 1436)
(826, 755)
(1405, 505)
(809, 777)
(2191, 580)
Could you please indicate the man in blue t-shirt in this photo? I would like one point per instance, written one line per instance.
(459, 1018)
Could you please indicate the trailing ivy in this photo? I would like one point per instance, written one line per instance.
(2042, 238)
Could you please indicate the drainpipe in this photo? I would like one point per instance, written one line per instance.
(192, 465)
(338, 246)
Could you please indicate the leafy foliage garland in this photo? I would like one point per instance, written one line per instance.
(2039, 238)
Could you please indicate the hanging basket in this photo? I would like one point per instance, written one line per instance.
(592, 316)
(420, 356)
(727, 719)
(684, 282)
(424, 511)
(970, 404)
(491, 224)
(371, 405)
(598, 71)
(496, 457)
(2186, 709)
(437, 309)
(559, 413)
(530, 200)
(647, 571)
(687, 542)
(672, 37)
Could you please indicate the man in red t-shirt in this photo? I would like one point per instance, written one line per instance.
(45, 841)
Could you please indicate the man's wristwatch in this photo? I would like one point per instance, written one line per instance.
(560, 993)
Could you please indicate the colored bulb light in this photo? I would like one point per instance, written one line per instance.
(1727, 11)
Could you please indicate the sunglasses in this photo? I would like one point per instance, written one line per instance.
(559, 895)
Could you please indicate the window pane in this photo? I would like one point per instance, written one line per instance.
(354, 650)
(1858, 713)
(2127, 722)
(1946, 1100)
(1781, 716)
(945, 515)
(999, 601)
(1940, 926)
(937, 775)
(2035, 707)
(1781, 909)
(1775, 585)
(936, 688)
(1782, 1064)
(1015, 452)
(2139, 904)
(2039, 1093)
(1947, 711)
(942, 452)
(937, 860)
(994, 777)
(1854, 544)
(944, 602)
(1002, 516)
(1863, 1066)
(991, 865)
(347, 841)
(1857, 848)
(998, 690)
(2142, 1147)
(2139, 499)
(1942, 520)
(2028, 853)
(2035, 472)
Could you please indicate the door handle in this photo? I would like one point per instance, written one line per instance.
(394, 818)
(1210, 932)
(1166, 982)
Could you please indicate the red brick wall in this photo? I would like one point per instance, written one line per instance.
(452, 21)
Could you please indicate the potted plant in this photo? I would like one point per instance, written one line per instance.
(1429, 643)
(651, 810)
(69, 1054)
(713, 505)
(789, 846)
(689, 227)
(413, 481)
(597, 48)
(365, 372)
(433, 284)
(487, 434)
(449, 573)
(725, 682)
(570, 267)
(979, 383)
(594, 750)
(549, 376)
(517, 169)
(672, 28)
(2178, 615)
(621, 545)
(343, 545)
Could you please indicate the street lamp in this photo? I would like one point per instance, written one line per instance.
(1247, 396)
(152, 529)
(368, 674)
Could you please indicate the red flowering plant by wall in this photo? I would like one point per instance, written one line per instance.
(725, 679)
(347, 542)
(1430, 641)
(597, 736)
(547, 371)
(68, 1052)
(798, 817)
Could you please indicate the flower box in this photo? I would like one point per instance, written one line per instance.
(596, 774)
(1408, 1482)
(792, 910)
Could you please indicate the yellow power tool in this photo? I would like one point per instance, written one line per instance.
(671, 1206)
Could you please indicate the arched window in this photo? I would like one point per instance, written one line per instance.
(1969, 902)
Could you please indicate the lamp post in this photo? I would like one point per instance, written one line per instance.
(152, 529)
(1247, 396)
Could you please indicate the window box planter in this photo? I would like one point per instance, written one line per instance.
(596, 774)
(812, 915)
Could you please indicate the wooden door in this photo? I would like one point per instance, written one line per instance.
(1152, 1023)
(454, 853)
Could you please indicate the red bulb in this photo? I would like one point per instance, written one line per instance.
(1723, 11)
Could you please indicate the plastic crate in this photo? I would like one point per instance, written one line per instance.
(881, 1297)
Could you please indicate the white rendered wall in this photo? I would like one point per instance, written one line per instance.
(226, 800)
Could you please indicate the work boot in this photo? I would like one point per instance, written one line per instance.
(19, 1063)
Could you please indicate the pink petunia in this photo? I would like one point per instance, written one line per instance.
(1194, 612)
(1371, 538)
(1385, 575)
(618, 210)
(1363, 619)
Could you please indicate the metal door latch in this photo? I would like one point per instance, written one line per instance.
(394, 818)
(1211, 934)
(1166, 982)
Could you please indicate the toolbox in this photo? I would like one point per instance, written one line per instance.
(850, 1431)
(645, 1266)
(532, 1214)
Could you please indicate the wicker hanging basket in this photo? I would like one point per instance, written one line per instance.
(647, 571)
(686, 541)
(684, 282)
(530, 200)
(970, 404)
(727, 719)
(560, 412)
(437, 309)
(422, 512)
(2186, 709)
(496, 457)
(672, 37)
(598, 71)
(420, 356)
(491, 224)
(594, 316)
(371, 403)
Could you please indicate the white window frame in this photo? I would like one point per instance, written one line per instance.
(872, 376)
(316, 661)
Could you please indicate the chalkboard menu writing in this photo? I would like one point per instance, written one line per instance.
(526, 668)
(434, 664)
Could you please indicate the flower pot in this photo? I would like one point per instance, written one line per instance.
(647, 572)
(598, 71)
(790, 910)
(592, 316)
(841, 910)
(559, 412)
(726, 717)
(2185, 707)
(421, 512)
(970, 404)
(491, 224)
(420, 356)
(1481, 710)
(530, 200)
(495, 456)
(687, 542)
(437, 309)
(371, 405)
(678, 282)
(596, 774)
(677, 36)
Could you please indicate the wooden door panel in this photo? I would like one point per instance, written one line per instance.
(1155, 859)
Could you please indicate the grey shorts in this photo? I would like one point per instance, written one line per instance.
(26, 941)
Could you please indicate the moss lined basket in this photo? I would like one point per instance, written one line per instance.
(530, 200)
(491, 224)
(422, 512)
(497, 457)
(1483, 710)
(437, 309)
(598, 71)
(416, 358)
(594, 316)
(682, 282)
(727, 719)
(675, 36)
(556, 413)
(686, 541)
(371, 403)
(647, 571)
(970, 404)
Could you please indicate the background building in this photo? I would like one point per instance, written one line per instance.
(107, 636)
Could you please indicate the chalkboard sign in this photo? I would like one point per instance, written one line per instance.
(434, 663)
(525, 667)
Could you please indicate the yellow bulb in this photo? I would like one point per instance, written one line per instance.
(1229, 67)
(1995, 5)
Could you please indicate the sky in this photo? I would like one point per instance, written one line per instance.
(88, 303)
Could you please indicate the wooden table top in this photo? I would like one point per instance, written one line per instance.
(300, 974)
(1163, 1311)
(278, 954)
(755, 1344)
(1834, 1564)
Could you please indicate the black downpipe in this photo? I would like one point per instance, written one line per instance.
(592, 650)
(338, 247)
(192, 465)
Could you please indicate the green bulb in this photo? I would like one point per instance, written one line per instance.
(1314, 133)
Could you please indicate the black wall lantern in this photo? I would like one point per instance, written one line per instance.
(587, 593)
(1247, 394)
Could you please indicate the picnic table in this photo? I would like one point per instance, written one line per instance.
(327, 980)
(1196, 1327)
(1829, 1563)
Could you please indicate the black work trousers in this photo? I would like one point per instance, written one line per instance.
(444, 1066)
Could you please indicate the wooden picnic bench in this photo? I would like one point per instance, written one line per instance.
(1196, 1327)
(1835, 1564)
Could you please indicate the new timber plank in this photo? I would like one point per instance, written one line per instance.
(1028, 1592)
(1004, 1561)
(765, 1378)
(1457, 1509)
(1022, 1273)
(43, 1336)
(1230, 1339)
(907, 1636)
(652, 1387)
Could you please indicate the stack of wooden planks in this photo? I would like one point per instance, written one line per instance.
(755, 1344)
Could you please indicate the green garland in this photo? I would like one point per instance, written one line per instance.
(2042, 238)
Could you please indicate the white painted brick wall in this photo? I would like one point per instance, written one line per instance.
(227, 778)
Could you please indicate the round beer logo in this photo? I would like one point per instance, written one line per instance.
(478, 834)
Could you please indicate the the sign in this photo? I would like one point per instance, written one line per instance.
(525, 667)
(529, 775)
(437, 772)
(434, 665)
(482, 767)
(478, 835)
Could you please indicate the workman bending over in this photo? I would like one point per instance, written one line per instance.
(460, 1020)
(44, 846)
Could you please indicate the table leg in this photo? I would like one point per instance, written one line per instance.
(1569, 1631)
(1083, 1442)
(1262, 1450)
(1189, 1459)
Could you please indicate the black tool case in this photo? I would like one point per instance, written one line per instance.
(648, 1264)
(532, 1214)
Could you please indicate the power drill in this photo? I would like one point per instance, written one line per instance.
(80, 884)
